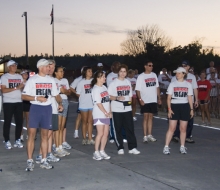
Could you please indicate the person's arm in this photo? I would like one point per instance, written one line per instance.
(168, 78)
(101, 107)
(59, 101)
(139, 97)
(73, 90)
(33, 98)
(7, 90)
(158, 95)
(119, 98)
(65, 91)
(191, 105)
(170, 112)
(195, 90)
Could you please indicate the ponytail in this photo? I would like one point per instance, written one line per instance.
(98, 74)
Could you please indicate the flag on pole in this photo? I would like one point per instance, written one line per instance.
(51, 14)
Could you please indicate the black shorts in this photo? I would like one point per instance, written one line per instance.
(54, 122)
(202, 102)
(181, 112)
(26, 106)
(149, 108)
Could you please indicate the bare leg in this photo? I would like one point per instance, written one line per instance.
(90, 124)
(44, 142)
(183, 125)
(60, 119)
(145, 123)
(30, 142)
(202, 108)
(84, 123)
(50, 140)
(172, 128)
(150, 124)
(207, 112)
(78, 121)
(104, 137)
(100, 131)
(64, 129)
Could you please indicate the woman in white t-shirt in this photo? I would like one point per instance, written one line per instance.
(64, 91)
(101, 114)
(133, 81)
(83, 91)
(180, 108)
(120, 92)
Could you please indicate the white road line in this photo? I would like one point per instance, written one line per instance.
(193, 124)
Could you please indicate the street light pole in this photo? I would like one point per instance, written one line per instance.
(26, 32)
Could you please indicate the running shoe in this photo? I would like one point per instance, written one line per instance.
(88, 135)
(145, 139)
(97, 156)
(84, 142)
(121, 151)
(134, 119)
(134, 151)
(54, 147)
(190, 140)
(8, 145)
(112, 141)
(38, 159)
(151, 138)
(30, 165)
(90, 142)
(104, 155)
(183, 150)
(52, 158)
(125, 141)
(27, 137)
(66, 146)
(166, 150)
(175, 139)
(59, 153)
(22, 138)
(45, 164)
(75, 135)
(66, 153)
(18, 144)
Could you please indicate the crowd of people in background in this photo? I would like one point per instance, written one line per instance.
(108, 101)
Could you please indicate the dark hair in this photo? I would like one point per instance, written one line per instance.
(202, 72)
(85, 69)
(57, 67)
(147, 61)
(123, 66)
(97, 74)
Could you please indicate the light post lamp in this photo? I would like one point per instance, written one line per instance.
(25, 14)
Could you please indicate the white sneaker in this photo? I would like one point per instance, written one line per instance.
(145, 139)
(66, 145)
(104, 155)
(112, 141)
(125, 140)
(183, 150)
(88, 135)
(54, 147)
(97, 156)
(18, 144)
(134, 151)
(75, 135)
(121, 151)
(65, 152)
(134, 119)
(90, 142)
(151, 138)
(166, 150)
(22, 138)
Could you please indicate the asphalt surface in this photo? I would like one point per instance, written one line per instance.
(199, 169)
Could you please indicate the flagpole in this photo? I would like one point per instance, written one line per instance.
(53, 33)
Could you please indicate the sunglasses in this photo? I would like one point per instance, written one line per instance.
(150, 65)
(184, 65)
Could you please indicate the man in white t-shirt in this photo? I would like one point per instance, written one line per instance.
(191, 79)
(38, 90)
(148, 94)
(12, 84)
(164, 80)
(211, 67)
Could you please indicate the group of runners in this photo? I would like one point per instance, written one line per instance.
(107, 102)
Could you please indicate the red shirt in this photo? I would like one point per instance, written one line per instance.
(203, 89)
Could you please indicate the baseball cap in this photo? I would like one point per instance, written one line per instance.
(180, 70)
(11, 62)
(185, 62)
(100, 65)
(24, 71)
(42, 62)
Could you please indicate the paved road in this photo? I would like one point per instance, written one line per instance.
(199, 169)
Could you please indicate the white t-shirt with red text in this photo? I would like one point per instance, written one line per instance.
(111, 76)
(11, 81)
(120, 88)
(100, 95)
(84, 90)
(180, 92)
(133, 84)
(41, 86)
(75, 82)
(62, 83)
(164, 80)
(147, 84)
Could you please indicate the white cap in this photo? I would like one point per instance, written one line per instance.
(42, 62)
(83, 68)
(180, 70)
(24, 71)
(100, 65)
(11, 62)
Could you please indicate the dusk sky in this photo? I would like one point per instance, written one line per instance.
(99, 26)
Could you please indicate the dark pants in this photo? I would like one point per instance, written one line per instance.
(112, 133)
(188, 130)
(11, 109)
(124, 120)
